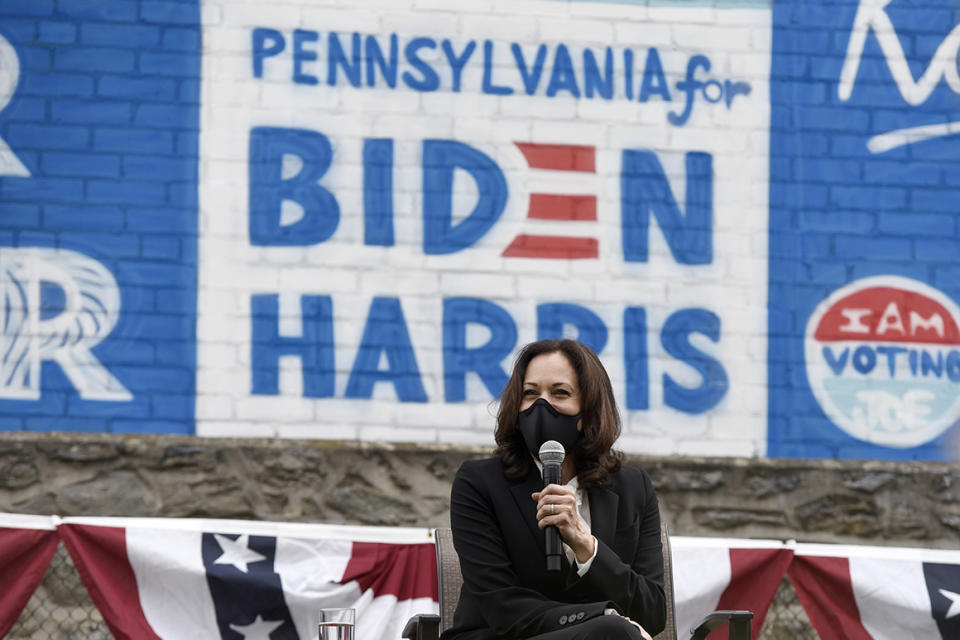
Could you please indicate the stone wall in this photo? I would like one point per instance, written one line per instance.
(886, 503)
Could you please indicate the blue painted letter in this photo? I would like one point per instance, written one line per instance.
(378, 192)
(644, 188)
(386, 333)
(261, 50)
(635, 357)
(314, 347)
(676, 341)
(269, 189)
(337, 58)
(441, 158)
(300, 36)
(459, 359)
(428, 80)
(553, 316)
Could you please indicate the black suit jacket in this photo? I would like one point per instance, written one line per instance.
(507, 592)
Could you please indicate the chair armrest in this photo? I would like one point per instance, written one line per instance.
(425, 626)
(739, 624)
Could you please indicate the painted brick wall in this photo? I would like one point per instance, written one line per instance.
(99, 207)
(419, 259)
(313, 220)
(862, 97)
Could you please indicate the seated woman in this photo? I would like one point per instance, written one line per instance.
(610, 585)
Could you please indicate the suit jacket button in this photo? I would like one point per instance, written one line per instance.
(563, 619)
(580, 615)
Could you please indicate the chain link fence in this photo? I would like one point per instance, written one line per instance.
(786, 618)
(61, 609)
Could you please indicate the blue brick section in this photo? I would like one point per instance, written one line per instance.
(840, 212)
(106, 119)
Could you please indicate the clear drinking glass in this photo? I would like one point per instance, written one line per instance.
(337, 624)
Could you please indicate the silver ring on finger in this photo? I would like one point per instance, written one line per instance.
(553, 509)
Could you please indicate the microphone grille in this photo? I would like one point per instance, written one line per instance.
(551, 452)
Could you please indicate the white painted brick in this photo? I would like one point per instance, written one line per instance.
(752, 65)
(539, 286)
(235, 94)
(397, 434)
(618, 109)
(646, 444)
(419, 127)
(210, 14)
(370, 101)
(693, 15)
(317, 431)
(230, 302)
(216, 380)
(235, 332)
(750, 374)
(434, 23)
(757, 348)
(377, 5)
(236, 428)
(746, 266)
(252, 15)
(640, 36)
(225, 40)
(695, 36)
(717, 447)
(569, 132)
(743, 17)
(214, 407)
(612, 11)
(463, 437)
(560, 108)
(565, 29)
(462, 6)
(487, 129)
(641, 291)
(251, 277)
(495, 27)
(511, 8)
(327, 19)
(227, 354)
(399, 283)
(449, 107)
(453, 416)
(469, 284)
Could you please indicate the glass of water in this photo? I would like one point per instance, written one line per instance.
(337, 624)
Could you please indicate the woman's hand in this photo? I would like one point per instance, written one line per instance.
(643, 632)
(557, 506)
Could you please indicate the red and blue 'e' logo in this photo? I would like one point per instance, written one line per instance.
(883, 360)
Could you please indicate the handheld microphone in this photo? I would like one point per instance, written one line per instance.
(551, 455)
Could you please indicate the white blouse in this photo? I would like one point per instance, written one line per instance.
(583, 513)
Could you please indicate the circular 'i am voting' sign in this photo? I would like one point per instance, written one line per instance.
(883, 360)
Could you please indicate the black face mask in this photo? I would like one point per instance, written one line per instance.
(541, 422)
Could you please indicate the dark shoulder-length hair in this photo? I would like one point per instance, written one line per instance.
(594, 457)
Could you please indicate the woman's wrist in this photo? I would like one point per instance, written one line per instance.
(584, 547)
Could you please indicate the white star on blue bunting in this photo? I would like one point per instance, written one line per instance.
(954, 598)
(237, 552)
(259, 629)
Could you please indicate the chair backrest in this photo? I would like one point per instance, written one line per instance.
(450, 580)
(670, 630)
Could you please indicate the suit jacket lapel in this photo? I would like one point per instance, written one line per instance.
(521, 491)
(603, 514)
